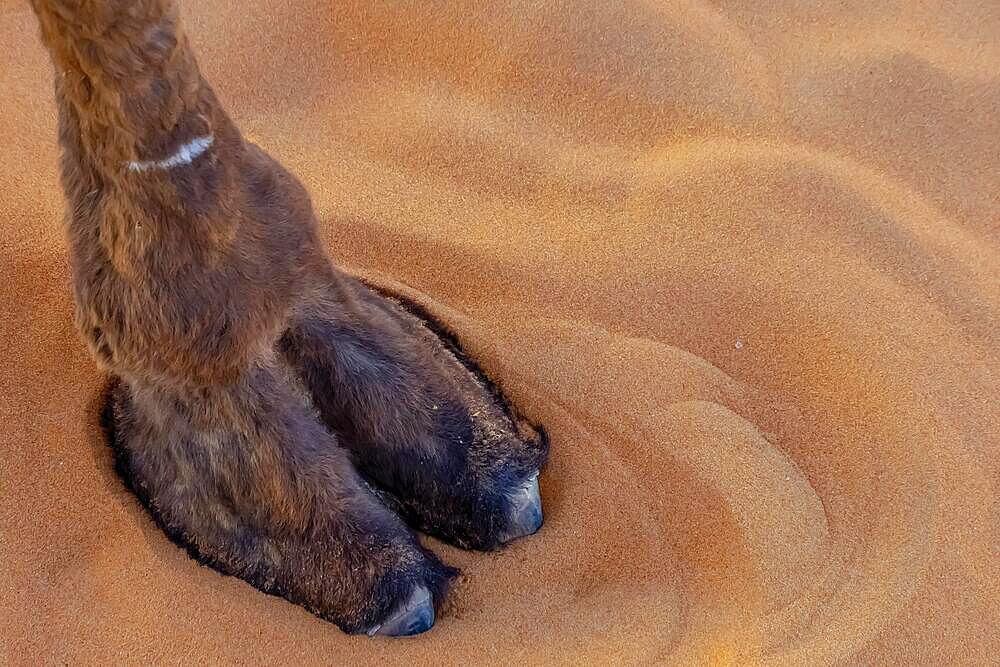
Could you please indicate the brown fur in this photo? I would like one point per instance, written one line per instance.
(205, 290)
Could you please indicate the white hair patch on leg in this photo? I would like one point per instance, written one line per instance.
(185, 154)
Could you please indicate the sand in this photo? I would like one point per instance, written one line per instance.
(742, 258)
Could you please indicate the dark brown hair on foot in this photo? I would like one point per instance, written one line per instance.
(266, 407)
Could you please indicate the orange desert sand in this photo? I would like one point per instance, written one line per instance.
(741, 258)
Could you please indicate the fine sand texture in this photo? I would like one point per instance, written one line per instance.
(741, 258)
